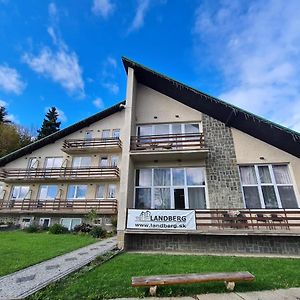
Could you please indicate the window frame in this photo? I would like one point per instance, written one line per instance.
(81, 158)
(18, 198)
(273, 183)
(114, 131)
(172, 187)
(47, 185)
(54, 157)
(76, 191)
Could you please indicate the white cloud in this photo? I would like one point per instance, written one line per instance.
(3, 103)
(138, 20)
(103, 8)
(98, 102)
(255, 45)
(10, 80)
(52, 10)
(113, 87)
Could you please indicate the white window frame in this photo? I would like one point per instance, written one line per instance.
(71, 220)
(104, 191)
(104, 158)
(273, 183)
(102, 134)
(114, 158)
(173, 187)
(114, 131)
(108, 191)
(47, 186)
(88, 135)
(18, 198)
(80, 161)
(33, 163)
(54, 158)
(41, 221)
(76, 191)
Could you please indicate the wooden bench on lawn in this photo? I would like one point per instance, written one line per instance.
(154, 281)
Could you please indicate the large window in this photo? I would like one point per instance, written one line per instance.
(174, 128)
(19, 192)
(170, 188)
(267, 186)
(81, 161)
(70, 223)
(53, 162)
(77, 192)
(48, 192)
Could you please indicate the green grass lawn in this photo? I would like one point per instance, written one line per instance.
(19, 249)
(113, 278)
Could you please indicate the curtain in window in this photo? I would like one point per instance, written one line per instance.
(248, 175)
(281, 174)
(162, 198)
(162, 177)
(197, 198)
(144, 177)
(264, 174)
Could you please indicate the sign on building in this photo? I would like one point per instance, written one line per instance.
(147, 219)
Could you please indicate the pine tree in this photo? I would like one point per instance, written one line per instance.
(50, 124)
(3, 115)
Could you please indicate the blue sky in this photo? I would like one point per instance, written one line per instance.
(68, 53)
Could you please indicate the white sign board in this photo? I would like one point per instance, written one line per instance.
(151, 219)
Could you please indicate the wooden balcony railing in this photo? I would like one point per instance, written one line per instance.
(248, 219)
(168, 142)
(39, 174)
(108, 206)
(82, 145)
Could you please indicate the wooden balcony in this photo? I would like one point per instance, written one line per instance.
(179, 146)
(74, 146)
(60, 174)
(103, 206)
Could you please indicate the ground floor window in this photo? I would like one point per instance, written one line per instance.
(170, 188)
(267, 186)
(70, 223)
(44, 222)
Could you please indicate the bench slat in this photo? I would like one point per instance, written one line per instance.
(191, 278)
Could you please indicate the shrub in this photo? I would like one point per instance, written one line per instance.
(58, 229)
(85, 228)
(32, 228)
(98, 232)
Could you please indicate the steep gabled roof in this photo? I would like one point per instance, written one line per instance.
(258, 127)
(61, 134)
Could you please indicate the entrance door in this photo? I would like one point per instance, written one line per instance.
(179, 198)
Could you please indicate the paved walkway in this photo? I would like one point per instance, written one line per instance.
(23, 283)
(282, 294)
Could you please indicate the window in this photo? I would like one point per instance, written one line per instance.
(19, 192)
(77, 191)
(103, 162)
(105, 133)
(116, 133)
(70, 223)
(33, 163)
(100, 194)
(53, 162)
(170, 188)
(88, 135)
(48, 192)
(81, 161)
(112, 188)
(45, 222)
(267, 186)
(114, 160)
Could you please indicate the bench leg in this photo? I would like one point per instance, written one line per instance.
(229, 285)
(152, 290)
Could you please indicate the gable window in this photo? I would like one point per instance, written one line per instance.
(105, 133)
(170, 188)
(267, 186)
(33, 163)
(116, 133)
(19, 192)
(48, 192)
(77, 192)
(81, 161)
(53, 162)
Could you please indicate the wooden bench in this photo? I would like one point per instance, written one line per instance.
(154, 281)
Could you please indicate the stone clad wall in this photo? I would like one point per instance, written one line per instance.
(209, 244)
(223, 181)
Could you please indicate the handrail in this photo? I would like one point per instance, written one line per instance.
(64, 172)
(90, 143)
(107, 205)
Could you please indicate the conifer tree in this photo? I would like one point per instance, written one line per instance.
(50, 124)
(3, 116)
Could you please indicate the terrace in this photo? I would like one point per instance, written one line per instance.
(105, 206)
(60, 174)
(73, 146)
